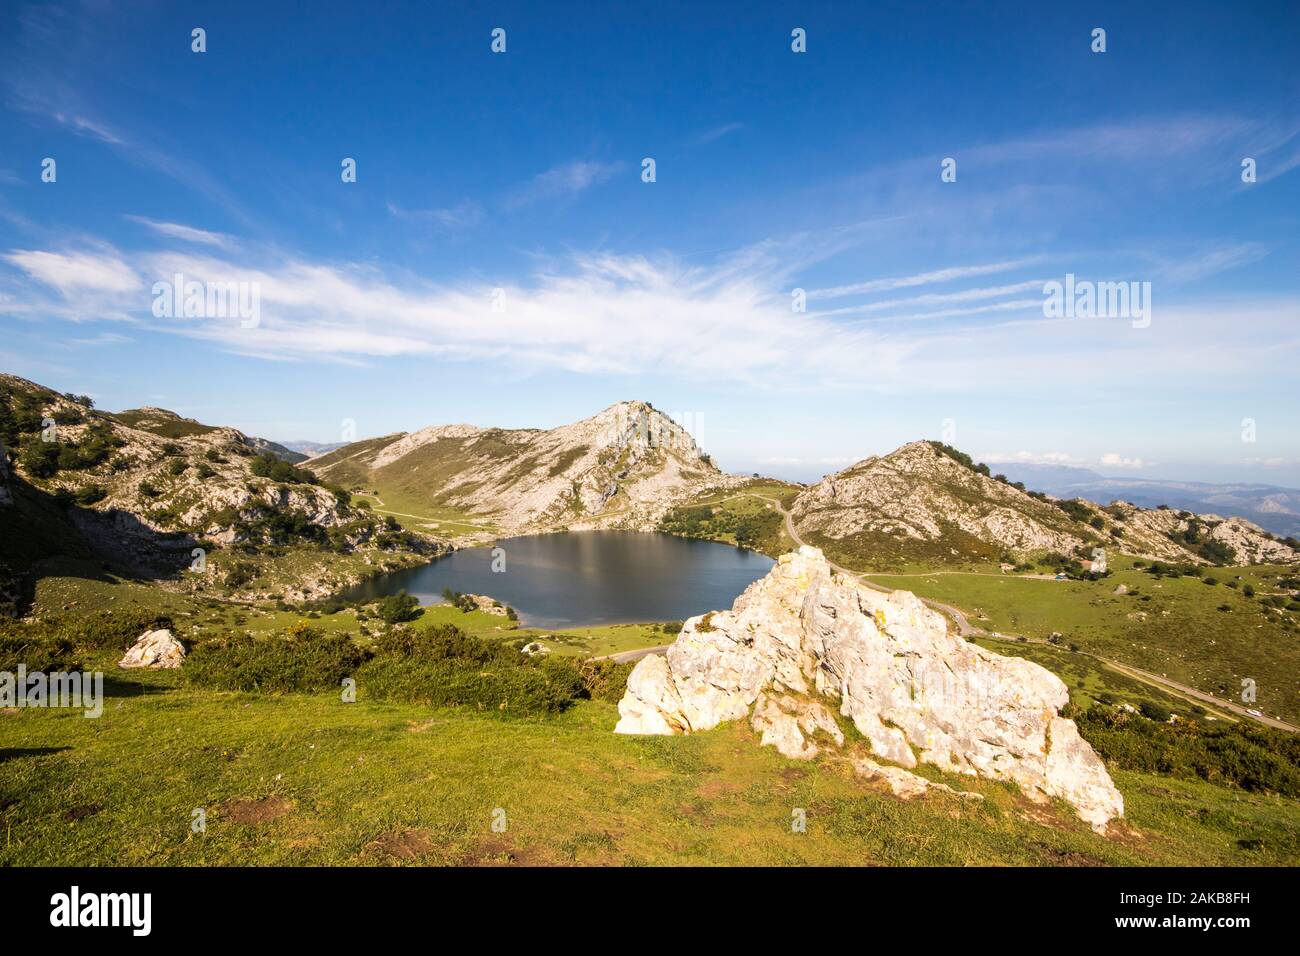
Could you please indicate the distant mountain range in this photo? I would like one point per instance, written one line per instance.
(1273, 508)
(140, 489)
(310, 449)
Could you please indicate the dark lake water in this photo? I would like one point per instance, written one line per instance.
(587, 577)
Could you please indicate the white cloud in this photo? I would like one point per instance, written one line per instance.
(717, 133)
(463, 215)
(922, 278)
(563, 181)
(1031, 458)
(727, 320)
(186, 233)
(76, 272)
(1114, 460)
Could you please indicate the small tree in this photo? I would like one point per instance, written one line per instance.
(398, 607)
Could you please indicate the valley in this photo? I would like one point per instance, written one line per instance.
(115, 523)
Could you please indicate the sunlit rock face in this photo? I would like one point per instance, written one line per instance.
(805, 641)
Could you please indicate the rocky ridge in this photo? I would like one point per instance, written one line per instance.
(918, 503)
(622, 468)
(805, 643)
(143, 488)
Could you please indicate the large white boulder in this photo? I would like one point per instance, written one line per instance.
(155, 649)
(803, 636)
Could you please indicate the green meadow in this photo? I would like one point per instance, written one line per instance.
(308, 779)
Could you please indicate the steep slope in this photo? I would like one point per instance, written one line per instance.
(92, 485)
(919, 504)
(621, 468)
(926, 503)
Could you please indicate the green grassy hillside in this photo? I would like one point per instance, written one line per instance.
(306, 779)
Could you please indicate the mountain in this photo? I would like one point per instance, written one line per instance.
(310, 449)
(927, 503)
(1273, 508)
(167, 424)
(135, 492)
(621, 468)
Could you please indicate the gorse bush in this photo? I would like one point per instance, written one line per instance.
(301, 660)
(35, 648)
(96, 631)
(444, 666)
(441, 666)
(1244, 755)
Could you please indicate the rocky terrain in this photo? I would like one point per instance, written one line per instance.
(923, 504)
(140, 490)
(621, 468)
(804, 644)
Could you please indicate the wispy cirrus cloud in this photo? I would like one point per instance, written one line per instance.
(562, 182)
(600, 313)
(1031, 458)
(464, 215)
(709, 136)
(932, 277)
(185, 233)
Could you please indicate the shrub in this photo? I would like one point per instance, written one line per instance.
(1248, 590)
(1245, 755)
(240, 574)
(1153, 711)
(35, 648)
(40, 458)
(268, 466)
(90, 494)
(300, 660)
(398, 607)
(501, 689)
(444, 666)
(98, 630)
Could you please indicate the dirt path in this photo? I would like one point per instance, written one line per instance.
(966, 629)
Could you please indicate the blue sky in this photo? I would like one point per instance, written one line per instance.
(775, 171)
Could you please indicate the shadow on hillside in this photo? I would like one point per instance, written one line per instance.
(120, 685)
(44, 536)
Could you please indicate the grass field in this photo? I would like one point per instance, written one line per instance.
(749, 507)
(1171, 626)
(307, 779)
(415, 514)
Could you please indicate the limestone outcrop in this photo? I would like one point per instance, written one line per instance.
(805, 640)
(158, 650)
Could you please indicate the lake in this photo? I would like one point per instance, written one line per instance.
(587, 577)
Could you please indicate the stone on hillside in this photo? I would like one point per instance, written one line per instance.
(804, 637)
(155, 649)
(903, 783)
